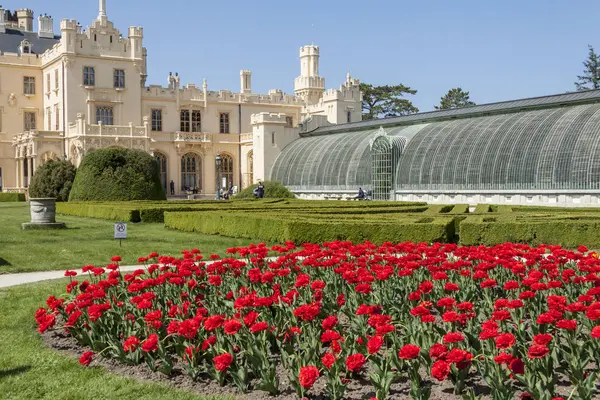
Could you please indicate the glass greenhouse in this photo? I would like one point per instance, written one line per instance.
(548, 143)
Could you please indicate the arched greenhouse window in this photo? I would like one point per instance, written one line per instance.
(385, 153)
(191, 172)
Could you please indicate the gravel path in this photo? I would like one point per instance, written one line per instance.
(9, 280)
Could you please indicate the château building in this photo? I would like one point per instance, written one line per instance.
(64, 94)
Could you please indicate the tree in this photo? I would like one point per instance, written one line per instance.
(116, 174)
(591, 73)
(54, 179)
(455, 98)
(386, 101)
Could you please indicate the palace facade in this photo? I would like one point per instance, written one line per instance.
(63, 94)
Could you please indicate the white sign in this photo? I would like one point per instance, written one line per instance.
(120, 230)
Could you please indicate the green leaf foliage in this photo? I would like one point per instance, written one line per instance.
(115, 174)
(455, 98)
(11, 197)
(54, 179)
(386, 101)
(273, 190)
(591, 72)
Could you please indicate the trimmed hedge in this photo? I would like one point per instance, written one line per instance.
(54, 179)
(117, 174)
(99, 210)
(566, 230)
(11, 197)
(268, 227)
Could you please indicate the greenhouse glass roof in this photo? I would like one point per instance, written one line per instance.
(543, 143)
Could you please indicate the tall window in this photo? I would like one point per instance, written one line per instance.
(49, 117)
(56, 118)
(157, 120)
(349, 117)
(224, 123)
(89, 76)
(289, 121)
(190, 121)
(29, 85)
(119, 80)
(56, 79)
(191, 172)
(48, 83)
(29, 121)
(104, 114)
(161, 159)
(226, 171)
(250, 172)
(196, 121)
(184, 116)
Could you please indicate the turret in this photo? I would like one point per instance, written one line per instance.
(68, 33)
(25, 18)
(136, 35)
(245, 81)
(309, 85)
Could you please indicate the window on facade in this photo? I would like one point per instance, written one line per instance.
(161, 159)
(56, 79)
(104, 114)
(56, 119)
(48, 83)
(226, 171)
(25, 47)
(273, 138)
(49, 118)
(157, 120)
(29, 85)
(349, 117)
(184, 116)
(1, 111)
(29, 121)
(190, 121)
(196, 121)
(119, 81)
(289, 121)
(191, 172)
(89, 76)
(224, 123)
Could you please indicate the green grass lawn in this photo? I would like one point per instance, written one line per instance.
(90, 241)
(31, 370)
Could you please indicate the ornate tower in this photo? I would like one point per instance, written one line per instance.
(309, 85)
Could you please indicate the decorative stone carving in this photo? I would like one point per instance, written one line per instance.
(12, 100)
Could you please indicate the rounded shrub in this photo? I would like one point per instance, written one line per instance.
(273, 190)
(54, 179)
(117, 174)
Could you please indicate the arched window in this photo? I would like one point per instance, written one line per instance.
(161, 159)
(26, 47)
(191, 172)
(226, 171)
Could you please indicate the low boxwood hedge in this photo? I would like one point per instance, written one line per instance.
(11, 197)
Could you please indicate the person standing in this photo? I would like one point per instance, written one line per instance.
(261, 190)
(172, 186)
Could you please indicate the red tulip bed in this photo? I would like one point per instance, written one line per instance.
(521, 321)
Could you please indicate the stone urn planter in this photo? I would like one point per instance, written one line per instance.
(43, 215)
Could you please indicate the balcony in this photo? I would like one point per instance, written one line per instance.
(195, 137)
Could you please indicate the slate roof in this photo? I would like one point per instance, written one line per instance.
(11, 41)
(581, 97)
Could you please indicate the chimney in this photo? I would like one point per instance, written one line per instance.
(25, 18)
(45, 27)
(2, 20)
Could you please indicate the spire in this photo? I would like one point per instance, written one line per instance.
(102, 10)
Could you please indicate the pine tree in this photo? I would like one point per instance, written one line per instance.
(455, 98)
(386, 101)
(591, 73)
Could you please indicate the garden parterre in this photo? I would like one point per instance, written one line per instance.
(522, 319)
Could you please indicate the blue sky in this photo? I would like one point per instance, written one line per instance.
(497, 50)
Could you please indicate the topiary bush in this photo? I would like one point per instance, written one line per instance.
(54, 179)
(115, 174)
(273, 190)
